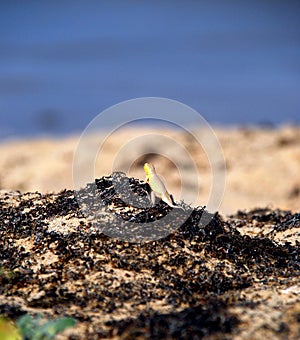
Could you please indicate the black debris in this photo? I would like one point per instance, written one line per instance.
(56, 255)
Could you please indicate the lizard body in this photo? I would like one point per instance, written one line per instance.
(158, 188)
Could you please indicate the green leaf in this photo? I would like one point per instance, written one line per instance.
(34, 329)
(51, 328)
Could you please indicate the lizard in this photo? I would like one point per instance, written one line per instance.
(157, 187)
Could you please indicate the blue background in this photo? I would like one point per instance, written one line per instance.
(63, 62)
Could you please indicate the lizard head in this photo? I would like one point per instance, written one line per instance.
(149, 168)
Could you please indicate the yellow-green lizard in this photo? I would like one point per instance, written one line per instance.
(158, 188)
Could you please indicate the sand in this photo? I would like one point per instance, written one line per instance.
(237, 277)
(262, 165)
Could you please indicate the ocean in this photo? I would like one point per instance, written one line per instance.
(62, 63)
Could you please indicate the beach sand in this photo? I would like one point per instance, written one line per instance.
(262, 165)
(237, 277)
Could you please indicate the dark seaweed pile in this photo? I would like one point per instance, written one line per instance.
(178, 286)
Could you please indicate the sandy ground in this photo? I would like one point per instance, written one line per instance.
(262, 165)
(235, 279)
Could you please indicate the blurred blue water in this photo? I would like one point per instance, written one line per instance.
(61, 63)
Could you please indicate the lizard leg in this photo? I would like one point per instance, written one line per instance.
(152, 196)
